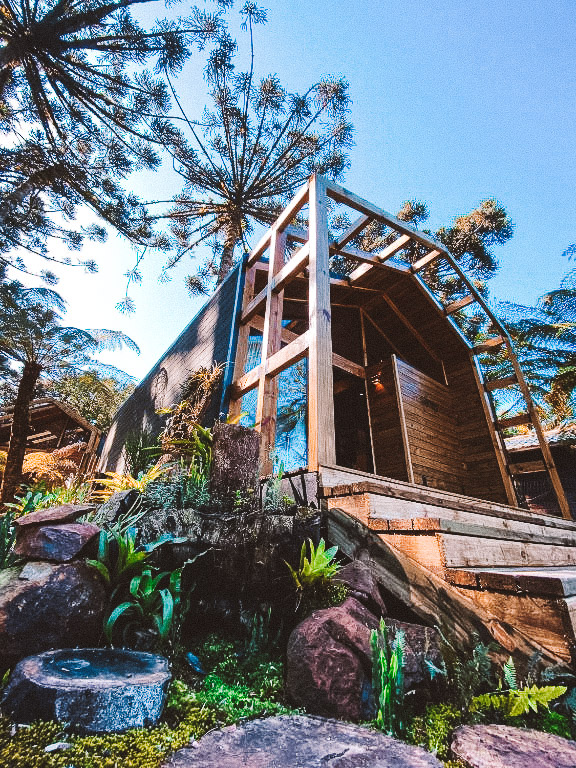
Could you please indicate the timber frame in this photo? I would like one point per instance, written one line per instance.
(310, 262)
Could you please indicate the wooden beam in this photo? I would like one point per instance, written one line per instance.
(514, 421)
(342, 195)
(523, 467)
(490, 345)
(425, 260)
(283, 359)
(403, 424)
(496, 438)
(266, 403)
(337, 360)
(381, 332)
(459, 304)
(377, 259)
(366, 392)
(321, 439)
(353, 231)
(507, 381)
(288, 272)
(297, 202)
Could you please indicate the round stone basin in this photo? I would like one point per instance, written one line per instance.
(91, 689)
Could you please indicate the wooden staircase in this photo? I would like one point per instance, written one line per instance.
(462, 563)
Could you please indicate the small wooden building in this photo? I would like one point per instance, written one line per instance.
(54, 424)
(372, 375)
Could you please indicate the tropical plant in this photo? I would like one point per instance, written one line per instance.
(137, 450)
(78, 103)
(39, 497)
(183, 436)
(317, 567)
(516, 701)
(33, 338)
(116, 481)
(7, 539)
(250, 152)
(119, 558)
(153, 601)
(388, 679)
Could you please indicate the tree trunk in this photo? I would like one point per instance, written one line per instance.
(233, 234)
(19, 432)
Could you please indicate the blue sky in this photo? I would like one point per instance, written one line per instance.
(453, 102)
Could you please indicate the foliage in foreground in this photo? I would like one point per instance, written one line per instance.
(388, 679)
(236, 688)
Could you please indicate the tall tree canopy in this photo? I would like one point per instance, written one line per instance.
(33, 338)
(250, 152)
(80, 108)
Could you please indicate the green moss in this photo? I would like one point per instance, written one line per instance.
(434, 729)
(138, 748)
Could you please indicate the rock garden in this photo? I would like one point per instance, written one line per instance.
(189, 615)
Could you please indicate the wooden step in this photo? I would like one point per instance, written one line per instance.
(448, 550)
(548, 580)
(502, 529)
(383, 495)
(521, 623)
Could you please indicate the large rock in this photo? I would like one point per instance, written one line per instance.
(421, 644)
(65, 513)
(93, 689)
(499, 746)
(118, 505)
(59, 543)
(329, 662)
(300, 742)
(44, 606)
(362, 584)
(236, 460)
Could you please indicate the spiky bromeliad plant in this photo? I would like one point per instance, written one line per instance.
(388, 679)
(319, 567)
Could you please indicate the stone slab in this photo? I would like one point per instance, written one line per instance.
(92, 689)
(499, 746)
(60, 542)
(298, 741)
(65, 513)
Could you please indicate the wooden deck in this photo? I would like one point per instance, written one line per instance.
(461, 563)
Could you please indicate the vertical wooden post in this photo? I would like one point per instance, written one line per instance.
(544, 447)
(266, 404)
(366, 384)
(321, 438)
(235, 408)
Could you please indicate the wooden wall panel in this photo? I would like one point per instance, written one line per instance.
(482, 478)
(389, 450)
(432, 430)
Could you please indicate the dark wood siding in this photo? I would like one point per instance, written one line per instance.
(204, 341)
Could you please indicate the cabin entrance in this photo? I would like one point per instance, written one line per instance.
(363, 361)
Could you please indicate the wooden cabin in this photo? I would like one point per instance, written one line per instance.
(367, 380)
(53, 425)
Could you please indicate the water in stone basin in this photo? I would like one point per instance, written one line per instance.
(103, 664)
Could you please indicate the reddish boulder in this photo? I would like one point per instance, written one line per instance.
(362, 584)
(499, 746)
(329, 662)
(45, 606)
(66, 513)
(422, 644)
(59, 543)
